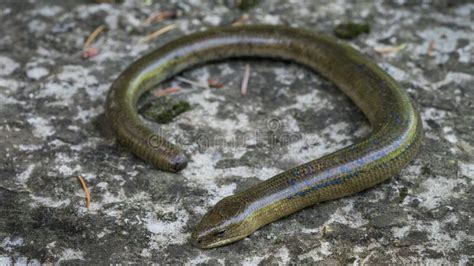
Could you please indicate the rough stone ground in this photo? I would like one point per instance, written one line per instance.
(51, 100)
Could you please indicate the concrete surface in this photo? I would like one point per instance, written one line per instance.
(51, 100)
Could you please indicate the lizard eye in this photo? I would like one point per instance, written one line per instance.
(220, 233)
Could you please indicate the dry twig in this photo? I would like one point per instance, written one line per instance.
(90, 52)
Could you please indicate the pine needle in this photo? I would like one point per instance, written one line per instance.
(93, 36)
(159, 32)
(193, 83)
(241, 20)
(167, 91)
(245, 81)
(160, 16)
(86, 190)
(431, 48)
(214, 84)
(387, 50)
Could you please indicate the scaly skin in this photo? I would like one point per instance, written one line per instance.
(394, 140)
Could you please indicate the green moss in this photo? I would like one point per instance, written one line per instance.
(164, 110)
(403, 193)
(245, 5)
(351, 30)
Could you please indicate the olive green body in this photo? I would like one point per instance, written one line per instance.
(393, 142)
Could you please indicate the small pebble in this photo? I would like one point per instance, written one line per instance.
(37, 73)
